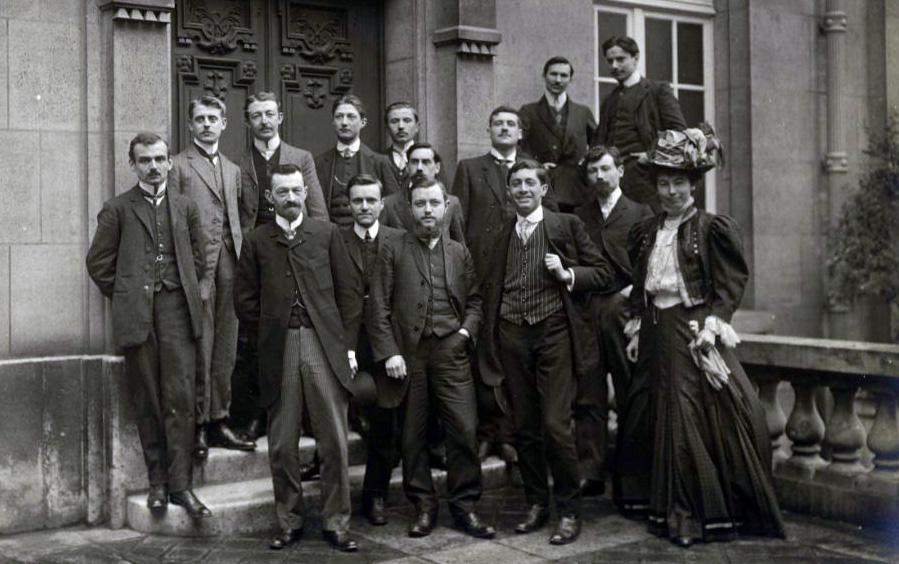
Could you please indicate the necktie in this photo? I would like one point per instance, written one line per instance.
(523, 225)
(347, 153)
(290, 233)
(209, 156)
(367, 237)
(368, 251)
(505, 163)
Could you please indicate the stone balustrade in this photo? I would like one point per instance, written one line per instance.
(828, 460)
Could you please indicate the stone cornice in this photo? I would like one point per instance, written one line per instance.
(479, 42)
(152, 11)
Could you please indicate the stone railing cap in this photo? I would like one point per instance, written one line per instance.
(820, 355)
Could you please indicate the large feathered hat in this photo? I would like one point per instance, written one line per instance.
(693, 149)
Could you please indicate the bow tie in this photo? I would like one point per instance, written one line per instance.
(347, 153)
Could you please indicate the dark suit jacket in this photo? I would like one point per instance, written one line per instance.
(121, 256)
(568, 239)
(190, 176)
(401, 176)
(369, 163)
(264, 290)
(610, 234)
(541, 141)
(398, 302)
(657, 109)
(397, 213)
(315, 201)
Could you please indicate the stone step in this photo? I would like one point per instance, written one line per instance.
(225, 465)
(247, 506)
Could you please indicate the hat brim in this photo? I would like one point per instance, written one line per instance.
(364, 390)
(656, 167)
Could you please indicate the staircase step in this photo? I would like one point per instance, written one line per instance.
(247, 506)
(225, 465)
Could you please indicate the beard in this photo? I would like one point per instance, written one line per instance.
(428, 231)
(289, 211)
(602, 189)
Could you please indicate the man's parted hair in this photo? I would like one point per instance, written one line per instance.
(504, 109)
(209, 102)
(626, 43)
(284, 169)
(528, 164)
(259, 97)
(352, 100)
(425, 183)
(401, 105)
(597, 152)
(146, 138)
(557, 60)
(363, 180)
(416, 146)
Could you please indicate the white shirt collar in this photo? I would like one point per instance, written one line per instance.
(499, 156)
(609, 204)
(557, 103)
(149, 191)
(353, 147)
(210, 149)
(267, 149)
(373, 230)
(288, 226)
(393, 148)
(535, 216)
(633, 79)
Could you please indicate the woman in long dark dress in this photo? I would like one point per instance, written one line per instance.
(711, 470)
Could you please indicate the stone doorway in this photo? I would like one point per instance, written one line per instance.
(308, 52)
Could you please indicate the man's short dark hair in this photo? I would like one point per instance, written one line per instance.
(504, 109)
(416, 146)
(425, 183)
(597, 152)
(284, 169)
(401, 105)
(557, 60)
(352, 100)
(209, 102)
(363, 180)
(623, 41)
(260, 97)
(146, 138)
(529, 164)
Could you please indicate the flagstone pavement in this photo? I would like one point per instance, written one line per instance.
(606, 537)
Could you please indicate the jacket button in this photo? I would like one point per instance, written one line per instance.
(146, 288)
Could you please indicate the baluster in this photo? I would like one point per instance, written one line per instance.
(845, 437)
(883, 440)
(805, 429)
(774, 416)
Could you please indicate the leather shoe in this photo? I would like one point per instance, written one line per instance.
(340, 540)
(311, 471)
(157, 499)
(423, 525)
(683, 542)
(190, 503)
(484, 450)
(471, 524)
(568, 530)
(375, 512)
(593, 488)
(537, 517)
(201, 446)
(220, 435)
(286, 538)
(254, 429)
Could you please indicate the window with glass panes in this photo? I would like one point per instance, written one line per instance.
(675, 40)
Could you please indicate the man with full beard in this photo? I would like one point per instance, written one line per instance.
(425, 310)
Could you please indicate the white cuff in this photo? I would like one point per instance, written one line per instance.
(465, 332)
(351, 355)
(723, 330)
(570, 285)
(632, 327)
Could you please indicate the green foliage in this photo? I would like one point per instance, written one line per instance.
(864, 256)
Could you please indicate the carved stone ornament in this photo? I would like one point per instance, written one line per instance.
(216, 31)
(216, 76)
(319, 34)
(469, 41)
(150, 11)
(316, 83)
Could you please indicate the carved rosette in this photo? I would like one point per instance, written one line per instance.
(316, 83)
(318, 34)
(218, 32)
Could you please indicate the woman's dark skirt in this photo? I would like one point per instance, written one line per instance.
(711, 469)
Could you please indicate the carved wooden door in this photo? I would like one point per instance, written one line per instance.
(308, 52)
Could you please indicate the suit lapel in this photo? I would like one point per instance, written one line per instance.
(416, 256)
(546, 115)
(489, 172)
(197, 164)
(570, 123)
(642, 93)
(141, 210)
(247, 166)
(551, 227)
(617, 212)
(449, 265)
(352, 243)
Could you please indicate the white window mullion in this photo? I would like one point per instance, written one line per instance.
(674, 75)
(638, 32)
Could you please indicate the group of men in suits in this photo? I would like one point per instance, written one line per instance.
(480, 310)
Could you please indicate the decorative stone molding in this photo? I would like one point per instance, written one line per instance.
(315, 84)
(470, 41)
(836, 161)
(151, 11)
(834, 22)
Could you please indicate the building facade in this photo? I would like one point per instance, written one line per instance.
(791, 86)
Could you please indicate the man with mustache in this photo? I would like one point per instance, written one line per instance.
(423, 164)
(148, 256)
(292, 285)
(631, 116)
(348, 158)
(208, 177)
(263, 117)
(608, 219)
(558, 132)
(364, 239)
(424, 313)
